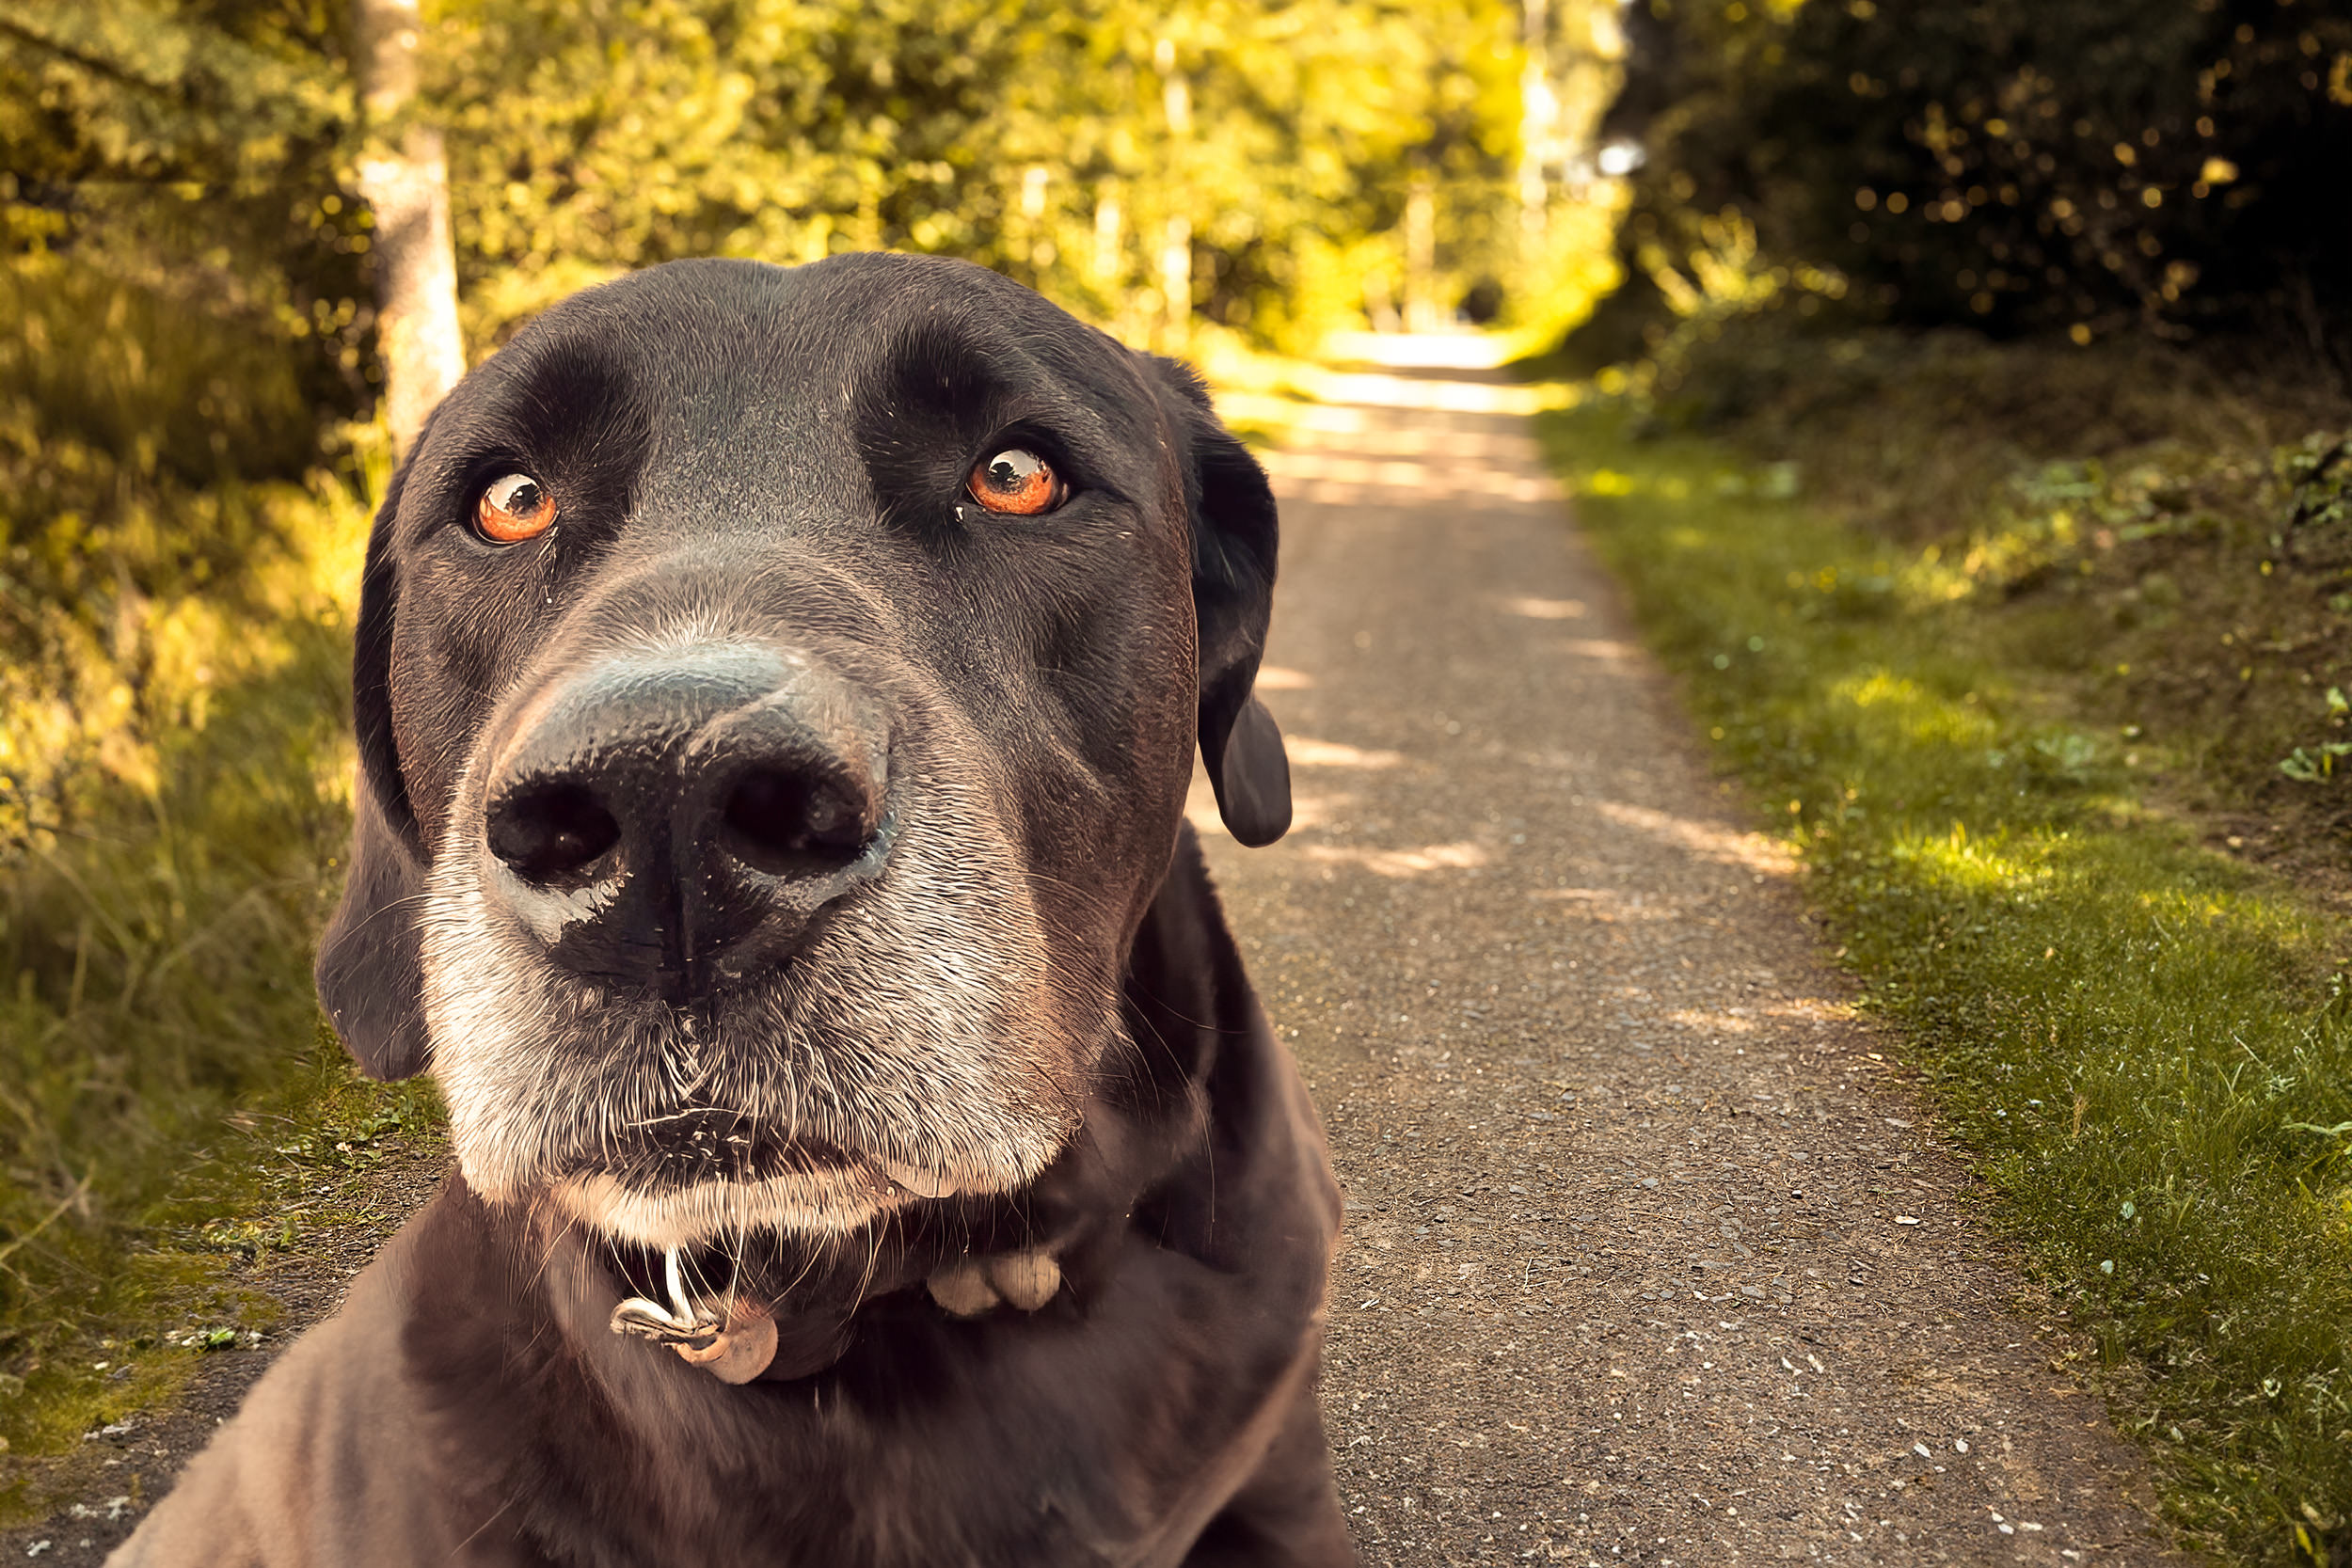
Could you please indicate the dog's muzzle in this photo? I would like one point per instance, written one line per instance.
(677, 820)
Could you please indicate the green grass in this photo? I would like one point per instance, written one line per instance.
(180, 548)
(113, 1313)
(2148, 1047)
(171, 1106)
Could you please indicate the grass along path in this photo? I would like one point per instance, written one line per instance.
(135, 1332)
(2148, 1047)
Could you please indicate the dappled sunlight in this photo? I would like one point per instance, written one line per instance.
(1349, 401)
(1960, 861)
(1546, 609)
(2233, 913)
(1342, 479)
(1370, 389)
(1706, 840)
(1361, 454)
(1369, 433)
(112, 708)
(1923, 716)
(1617, 483)
(1464, 856)
(1879, 687)
(1933, 470)
(1713, 1021)
(1608, 650)
(2126, 1027)
(1459, 351)
(1340, 427)
(1274, 677)
(1364, 438)
(1810, 1009)
(1305, 753)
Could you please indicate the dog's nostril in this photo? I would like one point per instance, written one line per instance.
(550, 831)
(779, 823)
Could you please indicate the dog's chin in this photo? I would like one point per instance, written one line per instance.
(814, 1204)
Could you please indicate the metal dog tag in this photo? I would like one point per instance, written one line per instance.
(743, 1350)
(642, 1319)
(735, 1349)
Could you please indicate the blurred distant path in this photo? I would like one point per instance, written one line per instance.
(1649, 1259)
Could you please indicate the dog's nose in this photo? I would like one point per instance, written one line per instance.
(678, 820)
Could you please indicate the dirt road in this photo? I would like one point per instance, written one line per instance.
(1649, 1258)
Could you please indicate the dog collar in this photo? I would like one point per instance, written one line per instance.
(732, 1340)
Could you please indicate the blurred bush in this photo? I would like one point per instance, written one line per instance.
(1147, 166)
(180, 505)
(187, 287)
(2083, 166)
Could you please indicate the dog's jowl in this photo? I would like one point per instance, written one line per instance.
(776, 692)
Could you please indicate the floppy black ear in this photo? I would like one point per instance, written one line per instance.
(1234, 532)
(371, 961)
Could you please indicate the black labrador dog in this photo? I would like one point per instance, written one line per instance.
(776, 693)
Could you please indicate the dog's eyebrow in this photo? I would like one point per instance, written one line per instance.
(963, 367)
(565, 399)
(1068, 419)
(939, 388)
(572, 389)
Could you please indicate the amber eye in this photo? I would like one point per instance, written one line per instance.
(516, 508)
(1016, 481)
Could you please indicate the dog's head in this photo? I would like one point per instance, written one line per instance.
(775, 695)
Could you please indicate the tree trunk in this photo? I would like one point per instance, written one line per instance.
(1538, 115)
(404, 177)
(1422, 312)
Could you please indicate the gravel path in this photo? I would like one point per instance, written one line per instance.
(1649, 1257)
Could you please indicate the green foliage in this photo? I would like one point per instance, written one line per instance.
(1269, 144)
(131, 1307)
(2087, 165)
(186, 285)
(191, 153)
(2140, 1040)
(131, 555)
(2133, 505)
(181, 505)
(2318, 763)
(2319, 471)
(182, 781)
